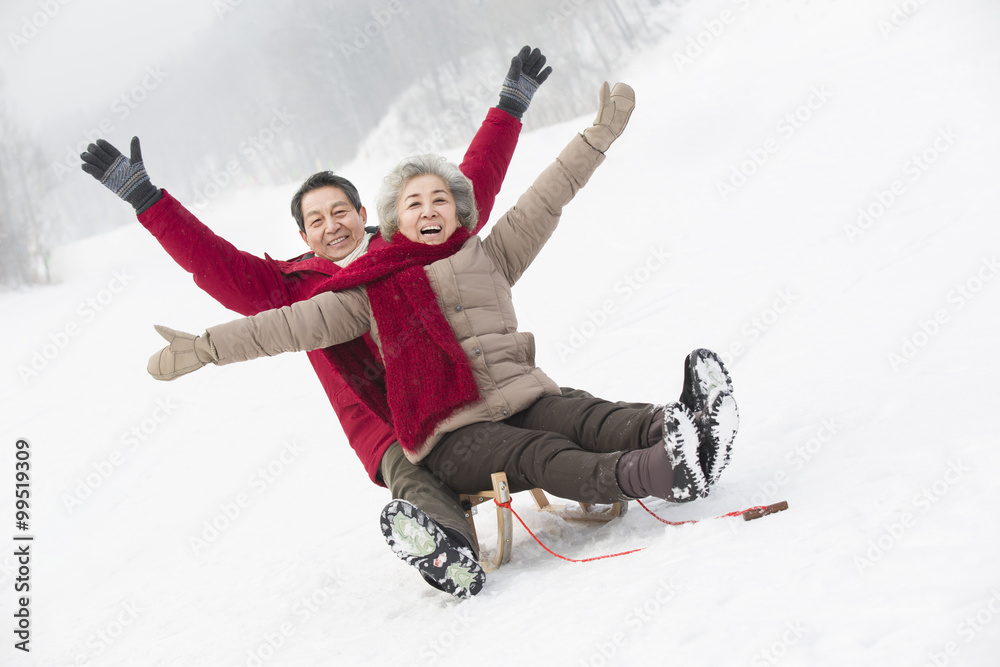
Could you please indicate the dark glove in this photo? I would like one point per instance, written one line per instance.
(523, 79)
(126, 178)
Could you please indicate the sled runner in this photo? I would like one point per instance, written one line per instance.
(501, 493)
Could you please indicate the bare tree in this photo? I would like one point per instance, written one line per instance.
(25, 223)
(383, 77)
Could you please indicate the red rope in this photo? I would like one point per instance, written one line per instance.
(572, 560)
(681, 523)
(623, 553)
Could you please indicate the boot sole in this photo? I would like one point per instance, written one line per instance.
(419, 541)
(722, 423)
(705, 377)
(706, 383)
(681, 442)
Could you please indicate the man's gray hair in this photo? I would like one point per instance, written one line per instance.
(418, 165)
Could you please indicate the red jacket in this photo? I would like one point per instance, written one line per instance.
(249, 284)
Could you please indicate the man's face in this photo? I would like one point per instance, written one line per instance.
(426, 210)
(333, 228)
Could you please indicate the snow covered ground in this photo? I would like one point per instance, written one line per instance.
(806, 186)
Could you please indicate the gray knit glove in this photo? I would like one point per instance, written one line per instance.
(523, 78)
(126, 178)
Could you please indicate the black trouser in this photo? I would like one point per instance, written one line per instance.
(567, 446)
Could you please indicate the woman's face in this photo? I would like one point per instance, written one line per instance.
(426, 210)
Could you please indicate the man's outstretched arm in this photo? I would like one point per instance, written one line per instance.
(236, 279)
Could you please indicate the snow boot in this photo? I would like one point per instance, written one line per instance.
(670, 470)
(708, 393)
(704, 376)
(444, 561)
(718, 432)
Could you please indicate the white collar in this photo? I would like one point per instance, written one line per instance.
(357, 252)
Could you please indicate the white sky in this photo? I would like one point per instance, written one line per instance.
(59, 56)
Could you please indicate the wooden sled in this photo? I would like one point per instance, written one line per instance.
(501, 492)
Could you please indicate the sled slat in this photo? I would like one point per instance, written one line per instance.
(501, 491)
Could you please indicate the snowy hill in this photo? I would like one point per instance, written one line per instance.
(806, 186)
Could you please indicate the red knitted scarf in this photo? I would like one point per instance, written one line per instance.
(426, 377)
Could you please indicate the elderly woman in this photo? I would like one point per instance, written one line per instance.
(461, 386)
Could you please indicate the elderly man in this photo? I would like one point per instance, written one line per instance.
(424, 523)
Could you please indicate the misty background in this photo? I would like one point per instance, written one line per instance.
(231, 94)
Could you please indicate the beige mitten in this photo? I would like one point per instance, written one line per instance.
(616, 106)
(185, 354)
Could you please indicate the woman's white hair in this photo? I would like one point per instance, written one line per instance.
(419, 165)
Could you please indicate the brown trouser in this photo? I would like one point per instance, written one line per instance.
(567, 446)
(424, 489)
(421, 488)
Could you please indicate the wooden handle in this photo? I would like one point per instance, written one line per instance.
(750, 515)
